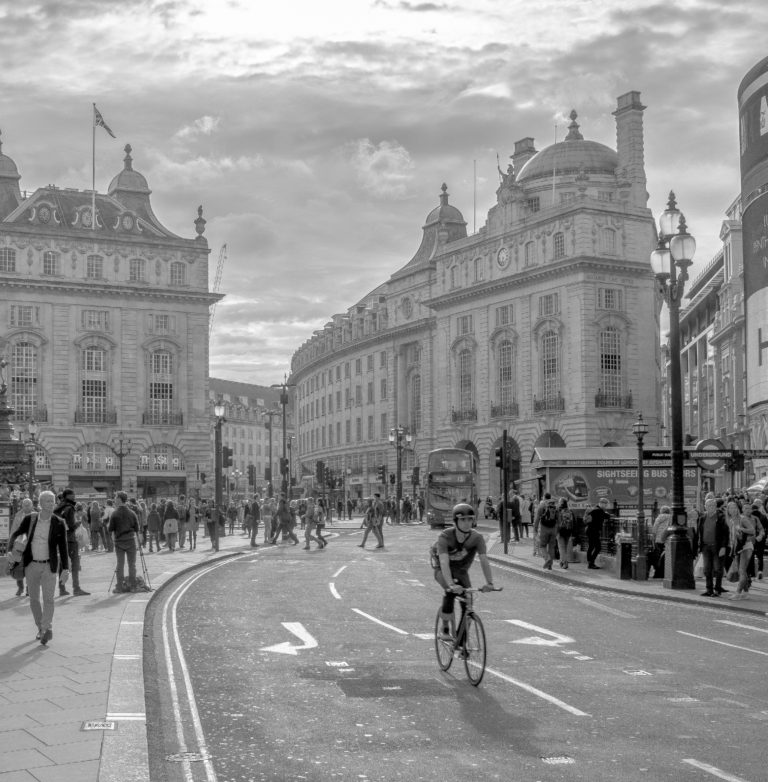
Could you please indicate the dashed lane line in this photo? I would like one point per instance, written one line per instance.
(379, 622)
(724, 643)
(339, 571)
(713, 770)
(739, 624)
(332, 587)
(538, 693)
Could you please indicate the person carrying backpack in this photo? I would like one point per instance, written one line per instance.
(548, 532)
(564, 528)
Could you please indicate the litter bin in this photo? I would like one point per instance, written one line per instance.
(624, 558)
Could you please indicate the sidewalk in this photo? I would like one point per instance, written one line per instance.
(90, 671)
(520, 555)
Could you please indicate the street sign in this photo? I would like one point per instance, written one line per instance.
(711, 462)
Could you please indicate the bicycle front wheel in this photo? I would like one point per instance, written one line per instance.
(474, 649)
(443, 647)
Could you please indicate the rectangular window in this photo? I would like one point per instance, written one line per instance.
(338, 400)
(567, 198)
(330, 434)
(137, 270)
(94, 360)
(7, 260)
(94, 267)
(530, 253)
(610, 299)
(178, 274)
(346, 370)
(369, 363)
(160, 399)
(549, 304)
(330, 403)
(23, 376)
(95, 320)
(550, 365)
(358, 430)
(604, 195)
(162, 324)
(23, 315)
(358, 395)
(371, 400)
(384, 426)
(358, 366)
(94, 400)
(383, 388)
(504, 315)
(383, 359)
(370, 428)
(348, 431)
(338, 372)
(161, 363)
(464, 325)
(50, 263)
(479, 269)
(338, 433)
(558, 246)
(533, 204)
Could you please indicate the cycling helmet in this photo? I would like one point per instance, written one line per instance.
(463, 509)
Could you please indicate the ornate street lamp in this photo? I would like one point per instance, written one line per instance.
(121, 452)
(31, 446)
(640, 429)
(284, 386)
(396, 437)
(218, 411)
(671, 260)
(269, 415)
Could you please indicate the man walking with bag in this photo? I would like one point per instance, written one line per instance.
(46, 549)
(66, 510)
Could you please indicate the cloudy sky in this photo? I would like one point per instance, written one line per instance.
(317, 134)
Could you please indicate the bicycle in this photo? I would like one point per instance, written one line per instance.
(468, 641)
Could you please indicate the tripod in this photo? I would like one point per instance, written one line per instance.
(147, 586)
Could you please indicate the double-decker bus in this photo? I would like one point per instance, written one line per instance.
(451, 478)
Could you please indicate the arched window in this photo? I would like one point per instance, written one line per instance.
(466, 395)
(24, 380)
(93, 385)
(415, 403)
(505, 362)
(558, 246)
(610, 365)
(161, 391)
(50, 262)
(530, 253)
(550, 368)
(178, 273)
(7, 260)
(137, 270)
(94, 267)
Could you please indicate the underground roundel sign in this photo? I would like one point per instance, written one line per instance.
(709, 445)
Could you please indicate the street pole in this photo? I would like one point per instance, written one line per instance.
(399, 485)
(640, 429)
(218, 495)
(120, 453)
(505, 490)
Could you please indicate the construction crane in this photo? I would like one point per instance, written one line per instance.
(217, 284)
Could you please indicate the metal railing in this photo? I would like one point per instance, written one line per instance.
(95, 416)
(613, 400)
(37, 414)
(508, 410)
(463, 416)
(548, 404)
(158, 418)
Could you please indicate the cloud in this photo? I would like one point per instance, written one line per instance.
(202, 126)
(385, 169)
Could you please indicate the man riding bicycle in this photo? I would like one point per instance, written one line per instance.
(456, 549)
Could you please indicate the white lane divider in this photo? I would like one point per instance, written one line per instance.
(713, 770)
(739, 624)
(723, 643)
(339, 571)
(332, 587)
(539, 693)
(379, 622)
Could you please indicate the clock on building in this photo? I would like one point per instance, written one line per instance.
(44, 214)
(502, 259)
(127, 222)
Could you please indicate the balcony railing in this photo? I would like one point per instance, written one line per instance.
(37, 414)
(95, 416)
(468, 414)
(508, 410)
(549, 404)
(150, 418)
(614, 400)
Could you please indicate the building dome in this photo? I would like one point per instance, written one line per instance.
(8, 168)
(571, 155)
(445, 213)
(129, 180)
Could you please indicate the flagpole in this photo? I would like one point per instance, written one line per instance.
(93, 168)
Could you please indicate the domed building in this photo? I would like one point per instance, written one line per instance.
(104, 325)
(544, 323)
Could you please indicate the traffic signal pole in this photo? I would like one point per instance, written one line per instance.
(505, 484)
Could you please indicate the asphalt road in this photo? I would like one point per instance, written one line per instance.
(319, 665)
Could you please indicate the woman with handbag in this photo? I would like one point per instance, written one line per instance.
(17, 571)
(742, 544)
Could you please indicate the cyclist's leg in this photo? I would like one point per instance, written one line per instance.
(462, 579)
(447, 605)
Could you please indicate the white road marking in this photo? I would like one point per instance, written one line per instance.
(539, 693)
(298, 629)
(379, 622)
(425, 636)
(554, 640)
(339, 571)
(723, 643)
(135, 716)
(738, 624)
(607, 609)
(716, 772)
(332, 587)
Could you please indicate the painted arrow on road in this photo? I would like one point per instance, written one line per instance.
(297, 628)
(555, 639)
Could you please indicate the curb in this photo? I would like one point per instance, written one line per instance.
(670, 598)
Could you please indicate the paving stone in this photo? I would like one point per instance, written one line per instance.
(22, 759)
(39, 695)
(95, 701)
(63, 754)
(51, 735)
(71, 772)
(76, 714)
(19, 739)
(17, 776)
(34, 683)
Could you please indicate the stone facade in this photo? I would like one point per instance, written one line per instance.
(544, 323)
(105, 329)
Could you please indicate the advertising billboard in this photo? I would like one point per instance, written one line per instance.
(753, 118)
(755, 235)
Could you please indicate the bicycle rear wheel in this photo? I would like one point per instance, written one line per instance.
(443, 647)
(474, 649)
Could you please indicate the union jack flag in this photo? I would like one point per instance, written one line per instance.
(98, 121)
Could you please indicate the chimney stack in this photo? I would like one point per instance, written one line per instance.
(630, 145)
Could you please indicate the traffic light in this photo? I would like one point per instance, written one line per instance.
(267, 473)
(391, 477)
(202, 477)
(226, 457)
(319, 471)
(251, 475)
(737, 463)
(382, 474)
(500, 458)
(415, 480)
(283, 466)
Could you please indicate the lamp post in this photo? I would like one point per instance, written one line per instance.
(671, 260)
(640, 429)
(237, 475)
(31, 446)
(121, 453)
(269, 415)
(290, 464)
(218, 411)
(396, 437)
(284, 386)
